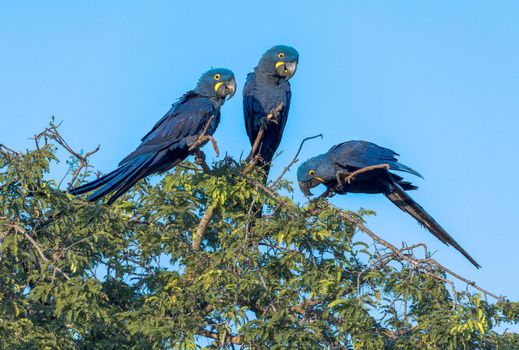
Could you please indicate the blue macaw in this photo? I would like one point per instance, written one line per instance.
(364, 167)
(266, 100)
(193, 118)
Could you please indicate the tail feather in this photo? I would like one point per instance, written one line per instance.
(403, 201)
(126, 176)
(407, 186)
(401, 167)
(128, 183)
(96, 183)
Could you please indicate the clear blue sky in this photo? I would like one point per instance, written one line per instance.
(436, 81)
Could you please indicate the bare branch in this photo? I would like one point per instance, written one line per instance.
(419, 263)
(52, 133)
(294, 160)
(6, 150)
(202, 226)
(203, 138)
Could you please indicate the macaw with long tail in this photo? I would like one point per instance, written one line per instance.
(189, 123)
(266, 102)
(364, 167)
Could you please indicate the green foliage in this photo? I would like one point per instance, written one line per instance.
(75, 274)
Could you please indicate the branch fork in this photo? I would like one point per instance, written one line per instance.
(203, 138)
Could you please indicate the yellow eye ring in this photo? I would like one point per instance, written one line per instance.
(281, 55)
(311, 172)
(217, 77)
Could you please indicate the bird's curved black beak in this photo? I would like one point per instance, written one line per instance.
(226, 89)
(286, 69)
(305, 188)
(231, 88)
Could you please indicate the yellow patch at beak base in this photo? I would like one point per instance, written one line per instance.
(279, 64)
(217, 86)
(319, 178)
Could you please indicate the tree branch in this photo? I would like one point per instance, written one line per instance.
(52, 133)
(419, 263)
(294, 160)
(203, 138)
(202, 226)
(228, 338)
(38, 249)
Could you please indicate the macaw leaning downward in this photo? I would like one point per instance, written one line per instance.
(364, 167)
(193, 118)
(266, 100)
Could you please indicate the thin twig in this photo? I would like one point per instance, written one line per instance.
(52, 133)
(256, 143)
(294, 160)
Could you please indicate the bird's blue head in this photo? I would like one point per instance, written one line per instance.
(280, 61)
(315, 171)
(217, 82)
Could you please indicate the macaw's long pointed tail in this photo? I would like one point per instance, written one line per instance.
(408, 205)
(119, 180)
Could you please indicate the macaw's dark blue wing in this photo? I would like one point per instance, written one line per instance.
(360, 154)
(166, 145)
(260, 99)
(177, 129)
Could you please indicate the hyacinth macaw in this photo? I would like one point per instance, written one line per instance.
(171, 140)
(266, 100)
(364, 167)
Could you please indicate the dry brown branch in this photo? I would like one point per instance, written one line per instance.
(6, 150)
(256, 144)
(420, 264)
(52, 133)
(349, 177)
(203, 138)
(294, 160)
(202, 226)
